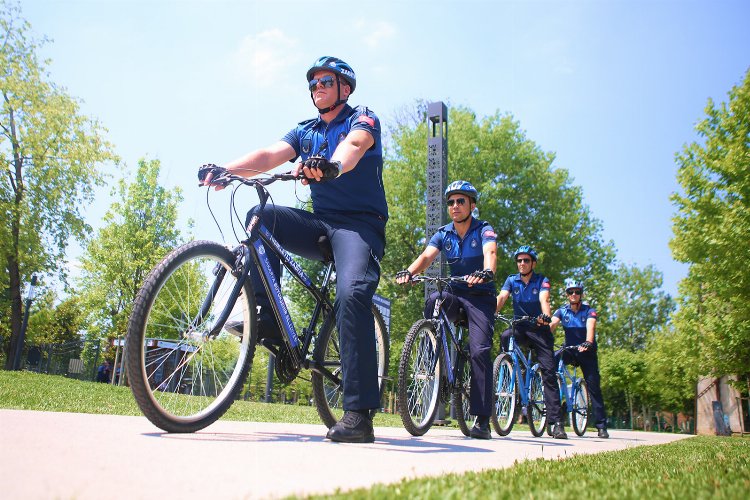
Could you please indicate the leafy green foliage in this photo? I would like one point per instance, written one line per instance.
(49, 156)
(636, 308)
(55, 324)
(138, 231)
(711, 230)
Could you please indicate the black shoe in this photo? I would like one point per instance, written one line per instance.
(481, 430)
(558, 431)
(549, 430)
(352, 428)
(603, 433)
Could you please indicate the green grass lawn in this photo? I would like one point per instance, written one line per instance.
(699, 467)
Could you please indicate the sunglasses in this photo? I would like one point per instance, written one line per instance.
(327, 82)
(459, 201)
(524, 260)
(574, 292)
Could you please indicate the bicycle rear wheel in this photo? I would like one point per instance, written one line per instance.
(419, 381)
(504, 409)
(537, 413)
(461, 398)
(326, 393)
(580, 413)
(184, 377)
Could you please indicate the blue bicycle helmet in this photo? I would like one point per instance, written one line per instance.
(463, 187)
(570, 284)
(527, 250)
(334, 65)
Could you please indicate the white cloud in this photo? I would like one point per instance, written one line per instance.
(373, 34)
(266, 58)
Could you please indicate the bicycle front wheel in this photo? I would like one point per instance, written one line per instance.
(327, 394)
(536, 413)
(461, 398)
(419, 380)
(184, 376)
(504, 409)
(580, 413)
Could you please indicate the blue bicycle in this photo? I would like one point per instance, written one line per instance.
(574, 395)
(515, 376)
(435, 367)
(193, 330)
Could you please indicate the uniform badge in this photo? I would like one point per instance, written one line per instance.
(473, 243)
(534, 291)
(342, 136)
(306, 145)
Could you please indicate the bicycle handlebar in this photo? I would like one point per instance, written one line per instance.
(437, 279)
(512, 320)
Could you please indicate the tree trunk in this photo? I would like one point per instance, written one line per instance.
(630, 405)
(16, 312)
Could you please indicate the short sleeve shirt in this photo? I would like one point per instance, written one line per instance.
(361, 189)
(574, 323)
(466, 255)
(526, 296)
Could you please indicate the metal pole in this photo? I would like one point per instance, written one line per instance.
(269, 377)
(24, 324)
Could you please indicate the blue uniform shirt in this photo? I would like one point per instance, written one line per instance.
(574, 323)
(466, 255)
(358, 191)
(526, 297)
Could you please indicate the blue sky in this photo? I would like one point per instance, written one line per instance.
(613, 88)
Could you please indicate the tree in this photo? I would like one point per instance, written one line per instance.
(49, 155)
(711, 230)
(636, 308)
(521, 194)
(56, 324)
(138, 231)
(624, 371)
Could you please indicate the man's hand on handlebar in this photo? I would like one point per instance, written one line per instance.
(211, 175)
(585, 346)
(318, 169)
(478, 277)
(404, 276)
(543, 320)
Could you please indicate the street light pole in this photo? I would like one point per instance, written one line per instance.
(24, 324)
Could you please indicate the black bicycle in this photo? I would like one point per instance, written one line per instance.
(193, 330)
(430, 371)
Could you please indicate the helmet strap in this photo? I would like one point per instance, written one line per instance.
(335, 104)
(465, 219)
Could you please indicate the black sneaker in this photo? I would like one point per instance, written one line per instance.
(603, 433)
(481, 429)
(558, 431)
(352, 428)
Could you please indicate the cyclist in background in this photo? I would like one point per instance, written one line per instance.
(579, 323)
(531, 298)
(469, 245)
(341, 155)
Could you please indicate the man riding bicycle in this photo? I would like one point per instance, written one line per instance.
(341, 158)
(470, 247)
(579, 323)
(531, 298)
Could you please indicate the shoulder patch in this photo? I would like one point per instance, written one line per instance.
(489, 234)
(545, 284)
(366, 119)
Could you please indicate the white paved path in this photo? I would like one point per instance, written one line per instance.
(68, 455)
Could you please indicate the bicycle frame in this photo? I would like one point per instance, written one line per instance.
(567, 374)
(252, 251)
(445, 330)
(521, 375)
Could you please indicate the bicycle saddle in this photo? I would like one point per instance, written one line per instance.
(324, 245)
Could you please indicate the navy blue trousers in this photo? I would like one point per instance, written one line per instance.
(540, 337)
(589, 363)
(480, 311)
(358, 242)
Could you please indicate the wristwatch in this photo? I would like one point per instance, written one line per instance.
(340, 167)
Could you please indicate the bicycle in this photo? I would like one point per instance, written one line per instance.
(429, 371)
(514, 376)
(574, 395)
(193, 330)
